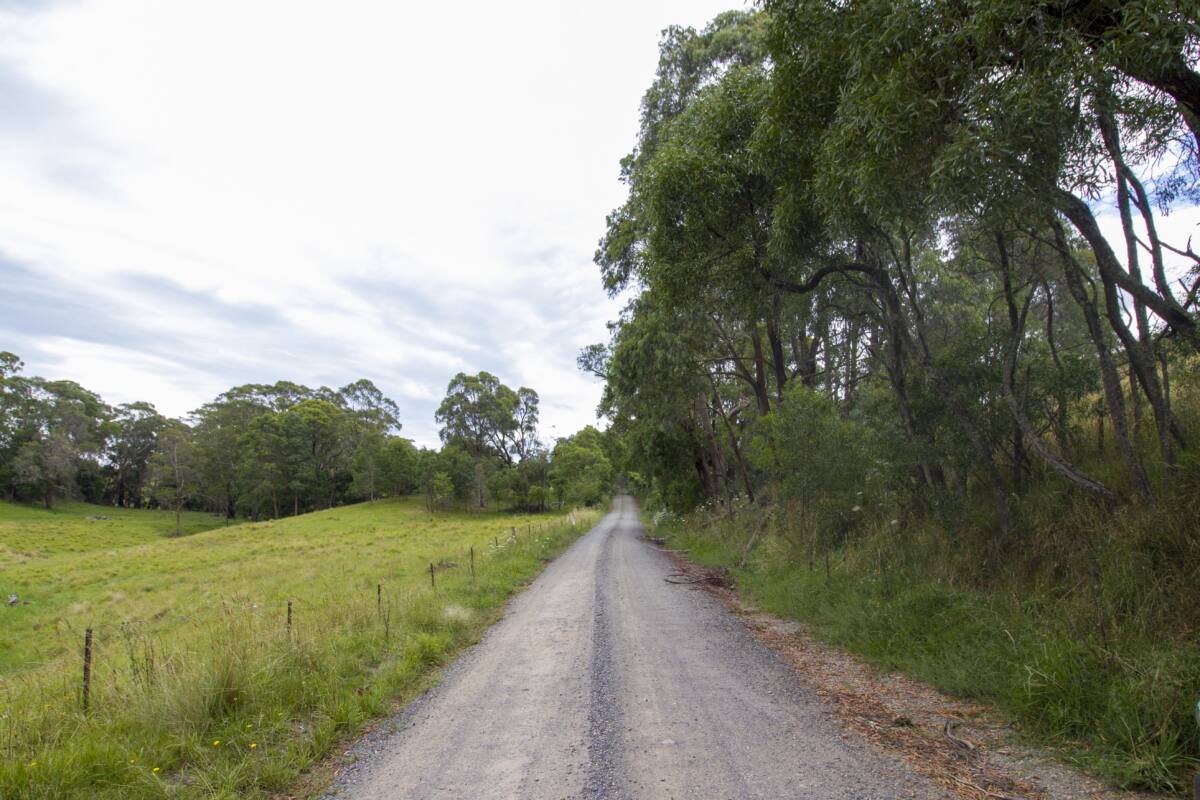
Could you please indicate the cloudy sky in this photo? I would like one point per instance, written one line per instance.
(198, 195)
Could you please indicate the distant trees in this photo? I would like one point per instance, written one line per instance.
(497, 428)
(286, 448)
(255, 450)
(47, 429)
(134, 431)
(580, 471)
(276, 449)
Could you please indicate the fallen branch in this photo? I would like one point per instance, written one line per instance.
(710, 577)
(948, 732)
(983, 791)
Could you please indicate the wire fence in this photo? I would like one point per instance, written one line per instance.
(117, 663)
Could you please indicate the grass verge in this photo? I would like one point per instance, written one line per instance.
(1091, 669)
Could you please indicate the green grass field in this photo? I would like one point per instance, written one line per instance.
(52, 561)
(32, 532)
(199, 688)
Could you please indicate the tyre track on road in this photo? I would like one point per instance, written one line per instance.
(604, 681)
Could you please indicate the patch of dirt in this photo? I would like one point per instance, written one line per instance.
(968, 749)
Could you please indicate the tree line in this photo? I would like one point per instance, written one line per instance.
(866, 252)
(271, 450)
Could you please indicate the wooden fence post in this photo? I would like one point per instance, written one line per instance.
(379, 598)
(472, 562)
(289, 619)
(87, 668)
(432, 579)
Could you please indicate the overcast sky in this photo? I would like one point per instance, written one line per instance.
(199, 195)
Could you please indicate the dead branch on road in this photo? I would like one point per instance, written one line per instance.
(701, 576)
(948, 732)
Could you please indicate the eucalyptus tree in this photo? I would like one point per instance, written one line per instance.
(175, 469)
(220, 426)
(489, 421)
(580, 471)
(903, 131)
(55, 426)
(133, 437)
(666, 382)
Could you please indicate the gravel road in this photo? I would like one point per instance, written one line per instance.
(604, 681)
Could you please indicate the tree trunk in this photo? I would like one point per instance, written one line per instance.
(1024, 428)
(760, 376)
(776, 348)
(1142, 361)
(715, 456)
(1113, 392)
(1061, 431)
(1016, 328)
(733, 442)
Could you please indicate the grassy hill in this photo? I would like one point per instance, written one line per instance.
(200, 689)
(57, 562)
(32, 532)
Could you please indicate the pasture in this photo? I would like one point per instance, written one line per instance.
(201, 686)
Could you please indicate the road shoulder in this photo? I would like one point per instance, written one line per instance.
(967, 749)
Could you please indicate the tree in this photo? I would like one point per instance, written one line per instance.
(367, 464)
(47, 465)
(399, 468)
(133, 439)
(176, 469)
(580, 472)
(489, 421)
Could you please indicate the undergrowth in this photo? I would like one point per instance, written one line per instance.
(1083, 628)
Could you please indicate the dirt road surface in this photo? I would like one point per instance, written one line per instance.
(605, 681)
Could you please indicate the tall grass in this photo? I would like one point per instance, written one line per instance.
(1084, 628)
(233, 704)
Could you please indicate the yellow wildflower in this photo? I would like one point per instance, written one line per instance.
(216, 742)
(154, 770)
(253, 745)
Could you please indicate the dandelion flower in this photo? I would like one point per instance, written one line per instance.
(216, 742)
(253, 745)
(154, 770)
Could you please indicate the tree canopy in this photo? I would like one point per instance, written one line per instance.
(895, 206)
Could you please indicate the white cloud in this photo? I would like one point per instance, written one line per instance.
(317, 192)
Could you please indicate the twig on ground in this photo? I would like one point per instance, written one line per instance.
(981, 790)
(948, 732)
